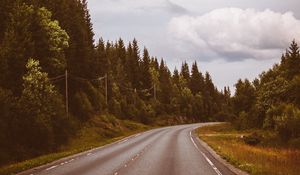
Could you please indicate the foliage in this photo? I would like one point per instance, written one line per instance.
(272, 101)
(252, 139)
(31, 33)
(43, 108)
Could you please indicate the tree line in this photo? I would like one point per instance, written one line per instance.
(40, 39)
(272, 101)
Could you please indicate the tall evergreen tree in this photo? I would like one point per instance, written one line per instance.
(185, 72)
(145, 71)
(197, 81)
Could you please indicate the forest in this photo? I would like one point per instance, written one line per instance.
(54, 77)
(272, 101)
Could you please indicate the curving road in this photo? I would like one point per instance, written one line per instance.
(164, 151)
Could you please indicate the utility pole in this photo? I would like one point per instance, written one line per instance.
(106, 96)
(67, 100)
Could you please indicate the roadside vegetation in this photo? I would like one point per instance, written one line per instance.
(98, 131)
(272, 101)
(264, 134)
(268, 156)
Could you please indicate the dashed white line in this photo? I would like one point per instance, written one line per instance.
(206, 158)
(123, 141)
(137, 135)
(88, 154)
(50, 168)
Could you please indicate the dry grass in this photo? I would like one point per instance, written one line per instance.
(257, 160)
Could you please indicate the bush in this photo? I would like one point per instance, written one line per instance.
(253, 139)
(286, 120)
(82, 105)
(95, 97)
(242, 121)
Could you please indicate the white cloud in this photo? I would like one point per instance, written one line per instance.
(135, 6)
(235, 34)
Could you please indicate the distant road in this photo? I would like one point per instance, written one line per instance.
(164, 151)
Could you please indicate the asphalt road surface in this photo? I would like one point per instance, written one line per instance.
(164, 151)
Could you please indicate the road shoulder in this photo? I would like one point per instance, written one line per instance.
(219, 162)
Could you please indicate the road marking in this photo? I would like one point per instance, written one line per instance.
(137, 135)
(206, 158)
(51, 168)
(88, 154)
(116, 173)
(123, 141)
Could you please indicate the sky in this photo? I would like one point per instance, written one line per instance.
(230, 39)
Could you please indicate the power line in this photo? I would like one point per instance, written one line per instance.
(66, 76)
(58, 77)
(57, 80)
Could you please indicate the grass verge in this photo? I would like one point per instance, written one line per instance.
(263, 159)
(99, 131)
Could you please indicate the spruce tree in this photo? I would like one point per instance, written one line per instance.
(197, 81)
(185, 72)
(145, 71)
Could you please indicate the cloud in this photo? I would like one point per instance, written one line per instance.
(175, 8)
(139, 6)
(235, 34)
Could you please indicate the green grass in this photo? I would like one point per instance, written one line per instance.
(99, 131)
(263, 159)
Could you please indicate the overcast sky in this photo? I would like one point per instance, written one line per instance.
(231, 39)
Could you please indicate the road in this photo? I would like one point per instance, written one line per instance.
(164, 151)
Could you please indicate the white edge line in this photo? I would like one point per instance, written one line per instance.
(206, 158)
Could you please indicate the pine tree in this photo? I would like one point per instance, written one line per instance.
(185, 72)
(101, 59)
(175, 77)
(291, 63)
(197, 81)
(16, 47)
(165, 84)
(133, 64)
(145, 71)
